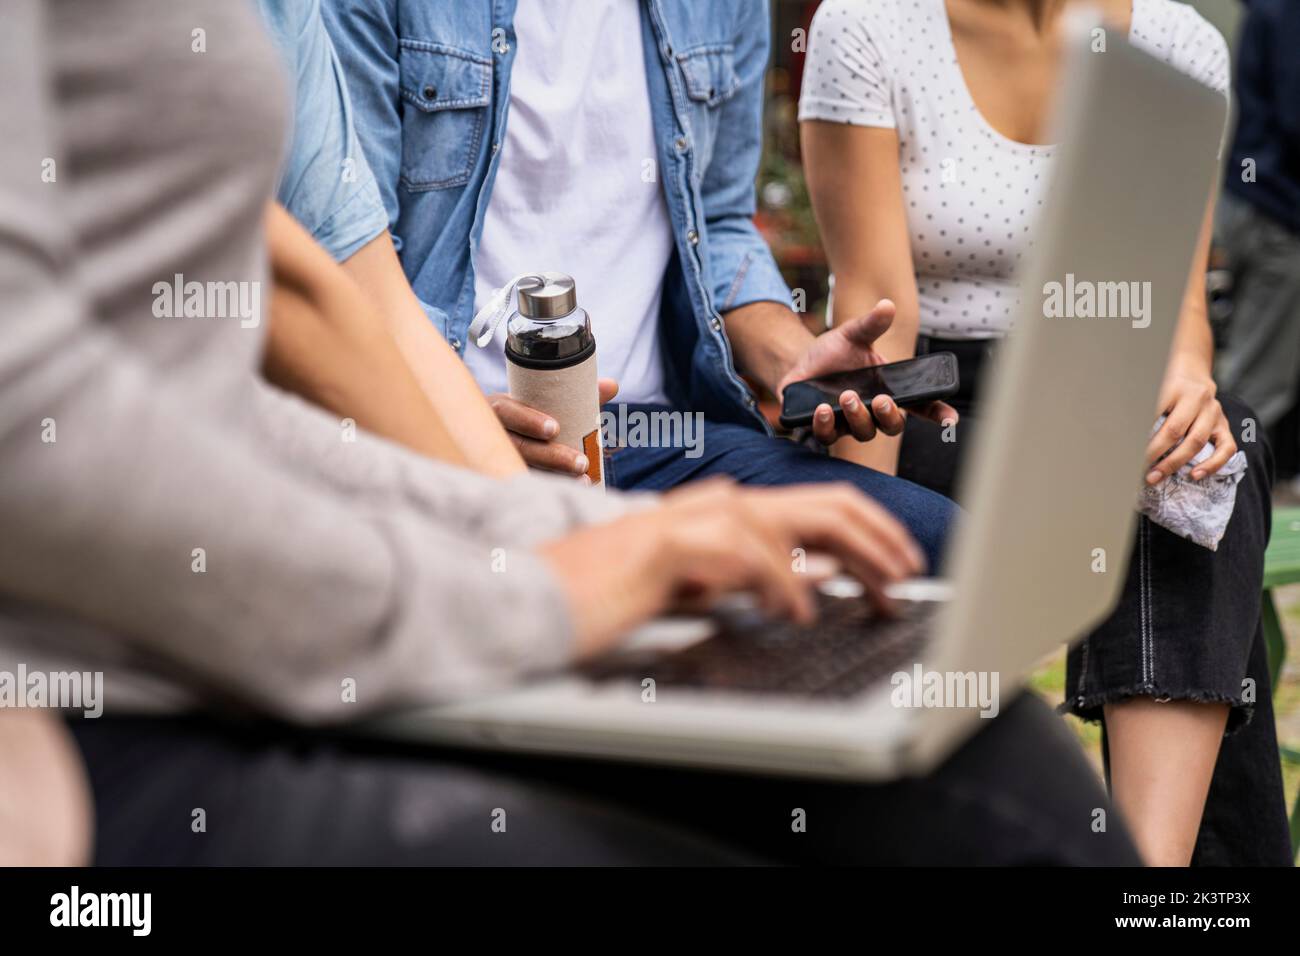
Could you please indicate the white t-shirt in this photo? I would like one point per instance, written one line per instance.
(971, 194)
(571, 192)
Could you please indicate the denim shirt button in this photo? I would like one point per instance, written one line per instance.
(682, 144)
(430, 92)
(693, 237)
(496, 148)
(455, 344)
(716, 325)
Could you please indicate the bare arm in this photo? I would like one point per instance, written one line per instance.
(766, 339)
(1193, 340)
(857, 194)
(327, 344)
(1188, 395)
(771, 345)
(445, 380)
(854, 178)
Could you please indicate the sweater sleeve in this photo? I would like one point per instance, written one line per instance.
(152, 516)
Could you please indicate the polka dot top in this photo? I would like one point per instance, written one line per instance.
(971, 193)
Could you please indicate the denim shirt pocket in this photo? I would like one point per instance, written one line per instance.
(710, 73)
(446, 94)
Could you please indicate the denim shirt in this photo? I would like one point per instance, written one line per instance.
(325, 182)
(430, 83)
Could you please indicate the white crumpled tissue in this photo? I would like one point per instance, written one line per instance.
(1196, 510)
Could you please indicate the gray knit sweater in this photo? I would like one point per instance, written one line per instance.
(164, 516)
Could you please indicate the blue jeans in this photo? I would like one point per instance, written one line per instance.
(753, 458)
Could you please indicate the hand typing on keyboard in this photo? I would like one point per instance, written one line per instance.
(713, 539)
(849, 648)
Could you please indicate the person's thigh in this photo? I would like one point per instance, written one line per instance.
(1019, 792)
(198, 792)
(751, 457)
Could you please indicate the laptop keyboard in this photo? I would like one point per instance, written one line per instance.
(845, 652)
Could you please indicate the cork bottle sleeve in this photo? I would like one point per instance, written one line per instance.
(572, 397)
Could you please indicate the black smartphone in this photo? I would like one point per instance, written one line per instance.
(914, 381)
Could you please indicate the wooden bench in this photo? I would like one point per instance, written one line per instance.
(1281, 566)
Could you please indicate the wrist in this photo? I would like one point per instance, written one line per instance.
(768, 338)
(1188, 361)
(613, 576)
(653, 539)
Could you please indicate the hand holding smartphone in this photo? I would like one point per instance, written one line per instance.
(912, 383)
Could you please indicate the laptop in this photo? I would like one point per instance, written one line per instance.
(1050, 491)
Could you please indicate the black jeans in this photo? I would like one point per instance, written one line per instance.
(1187, 627)
(1019, 792)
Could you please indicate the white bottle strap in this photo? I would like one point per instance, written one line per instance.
(500, 305)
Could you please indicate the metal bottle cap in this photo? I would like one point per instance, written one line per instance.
(547, 295)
